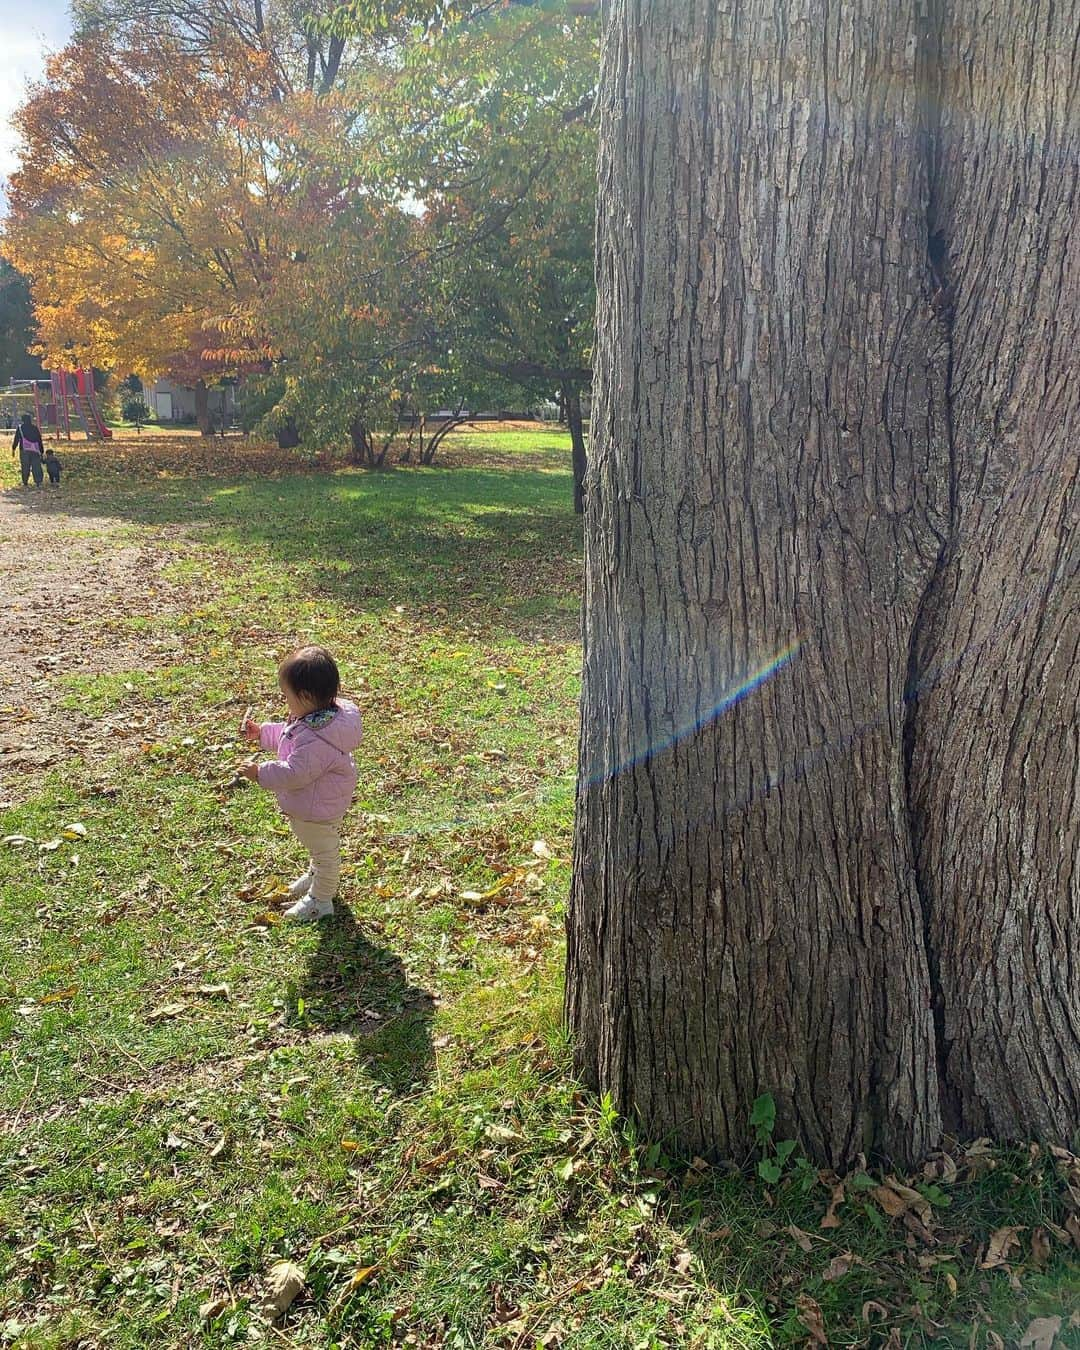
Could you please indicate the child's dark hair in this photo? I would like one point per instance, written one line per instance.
(312, 672)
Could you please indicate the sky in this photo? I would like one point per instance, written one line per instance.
(29, 29)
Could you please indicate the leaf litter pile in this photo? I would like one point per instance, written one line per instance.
(217, 1129)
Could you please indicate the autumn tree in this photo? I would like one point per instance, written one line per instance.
(152, 206)
(828, 832)
(302, 48)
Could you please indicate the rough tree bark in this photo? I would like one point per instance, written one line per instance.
(783, 830)
(994, 744)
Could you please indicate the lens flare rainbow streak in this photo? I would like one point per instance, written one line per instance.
(732, 696)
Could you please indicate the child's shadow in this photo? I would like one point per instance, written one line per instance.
(357, 988)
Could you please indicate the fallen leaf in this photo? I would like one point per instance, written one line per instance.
(1072, 1227)
(216, 990)
(166, 1010)
(219, 1148)
(838, 1267)
(361, 1275)
(541, 850)
(212, 1308)
(503, 1133)
(683, 1262)
(283, 1283)
(1002, 1241)
(1040, 1246)
(15, 840)
(76, 830)
(503, 1311)
(871, 1308)
(809, 1314)
(59, 995)
(894, 1205)
(1040, 1334)
(830, 1220)
(802, 1238)
(914, 1200)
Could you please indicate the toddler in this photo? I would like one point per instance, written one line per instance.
(313, 775)
(52, 466)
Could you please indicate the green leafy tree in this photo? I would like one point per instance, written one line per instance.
(484, 123)
(16, 327)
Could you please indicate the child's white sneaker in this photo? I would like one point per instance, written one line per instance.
(301, 885)
(308, 908)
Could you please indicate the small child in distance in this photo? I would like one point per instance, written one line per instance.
(52, 466)
(313, 776)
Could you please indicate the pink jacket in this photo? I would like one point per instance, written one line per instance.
(314, 776)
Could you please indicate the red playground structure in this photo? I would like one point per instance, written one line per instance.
(66, 397)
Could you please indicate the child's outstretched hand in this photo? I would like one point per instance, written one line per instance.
(249, 769)
(249, 730)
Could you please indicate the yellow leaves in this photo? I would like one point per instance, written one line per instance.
(59, 996)
(361, 1275)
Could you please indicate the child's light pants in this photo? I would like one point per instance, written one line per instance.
(322, 839)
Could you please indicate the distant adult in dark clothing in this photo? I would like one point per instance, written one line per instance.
(52, 466)
(29, 443)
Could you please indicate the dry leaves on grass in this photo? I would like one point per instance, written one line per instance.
(1041, 1334)
(1002, 1242)
(809, 1314)
(830, 1218)
(284, 1282)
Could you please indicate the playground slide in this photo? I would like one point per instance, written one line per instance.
(84, 392)
(80, 412)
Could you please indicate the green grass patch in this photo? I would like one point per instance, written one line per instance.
(191, 1092)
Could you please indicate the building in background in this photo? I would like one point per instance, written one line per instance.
(172, 402)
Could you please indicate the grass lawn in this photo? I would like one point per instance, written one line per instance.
(191, 1091)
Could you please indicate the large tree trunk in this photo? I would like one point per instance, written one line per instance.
(571, 395)
(994, 746)
(773, 517)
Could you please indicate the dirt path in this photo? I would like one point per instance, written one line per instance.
(68, 586)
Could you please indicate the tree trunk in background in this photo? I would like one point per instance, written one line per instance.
(202, 408)
(288, 435)
(781, 676)
(572, 402)
(362, 446)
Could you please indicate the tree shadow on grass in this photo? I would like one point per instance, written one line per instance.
(355, 987)
(497, 547)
